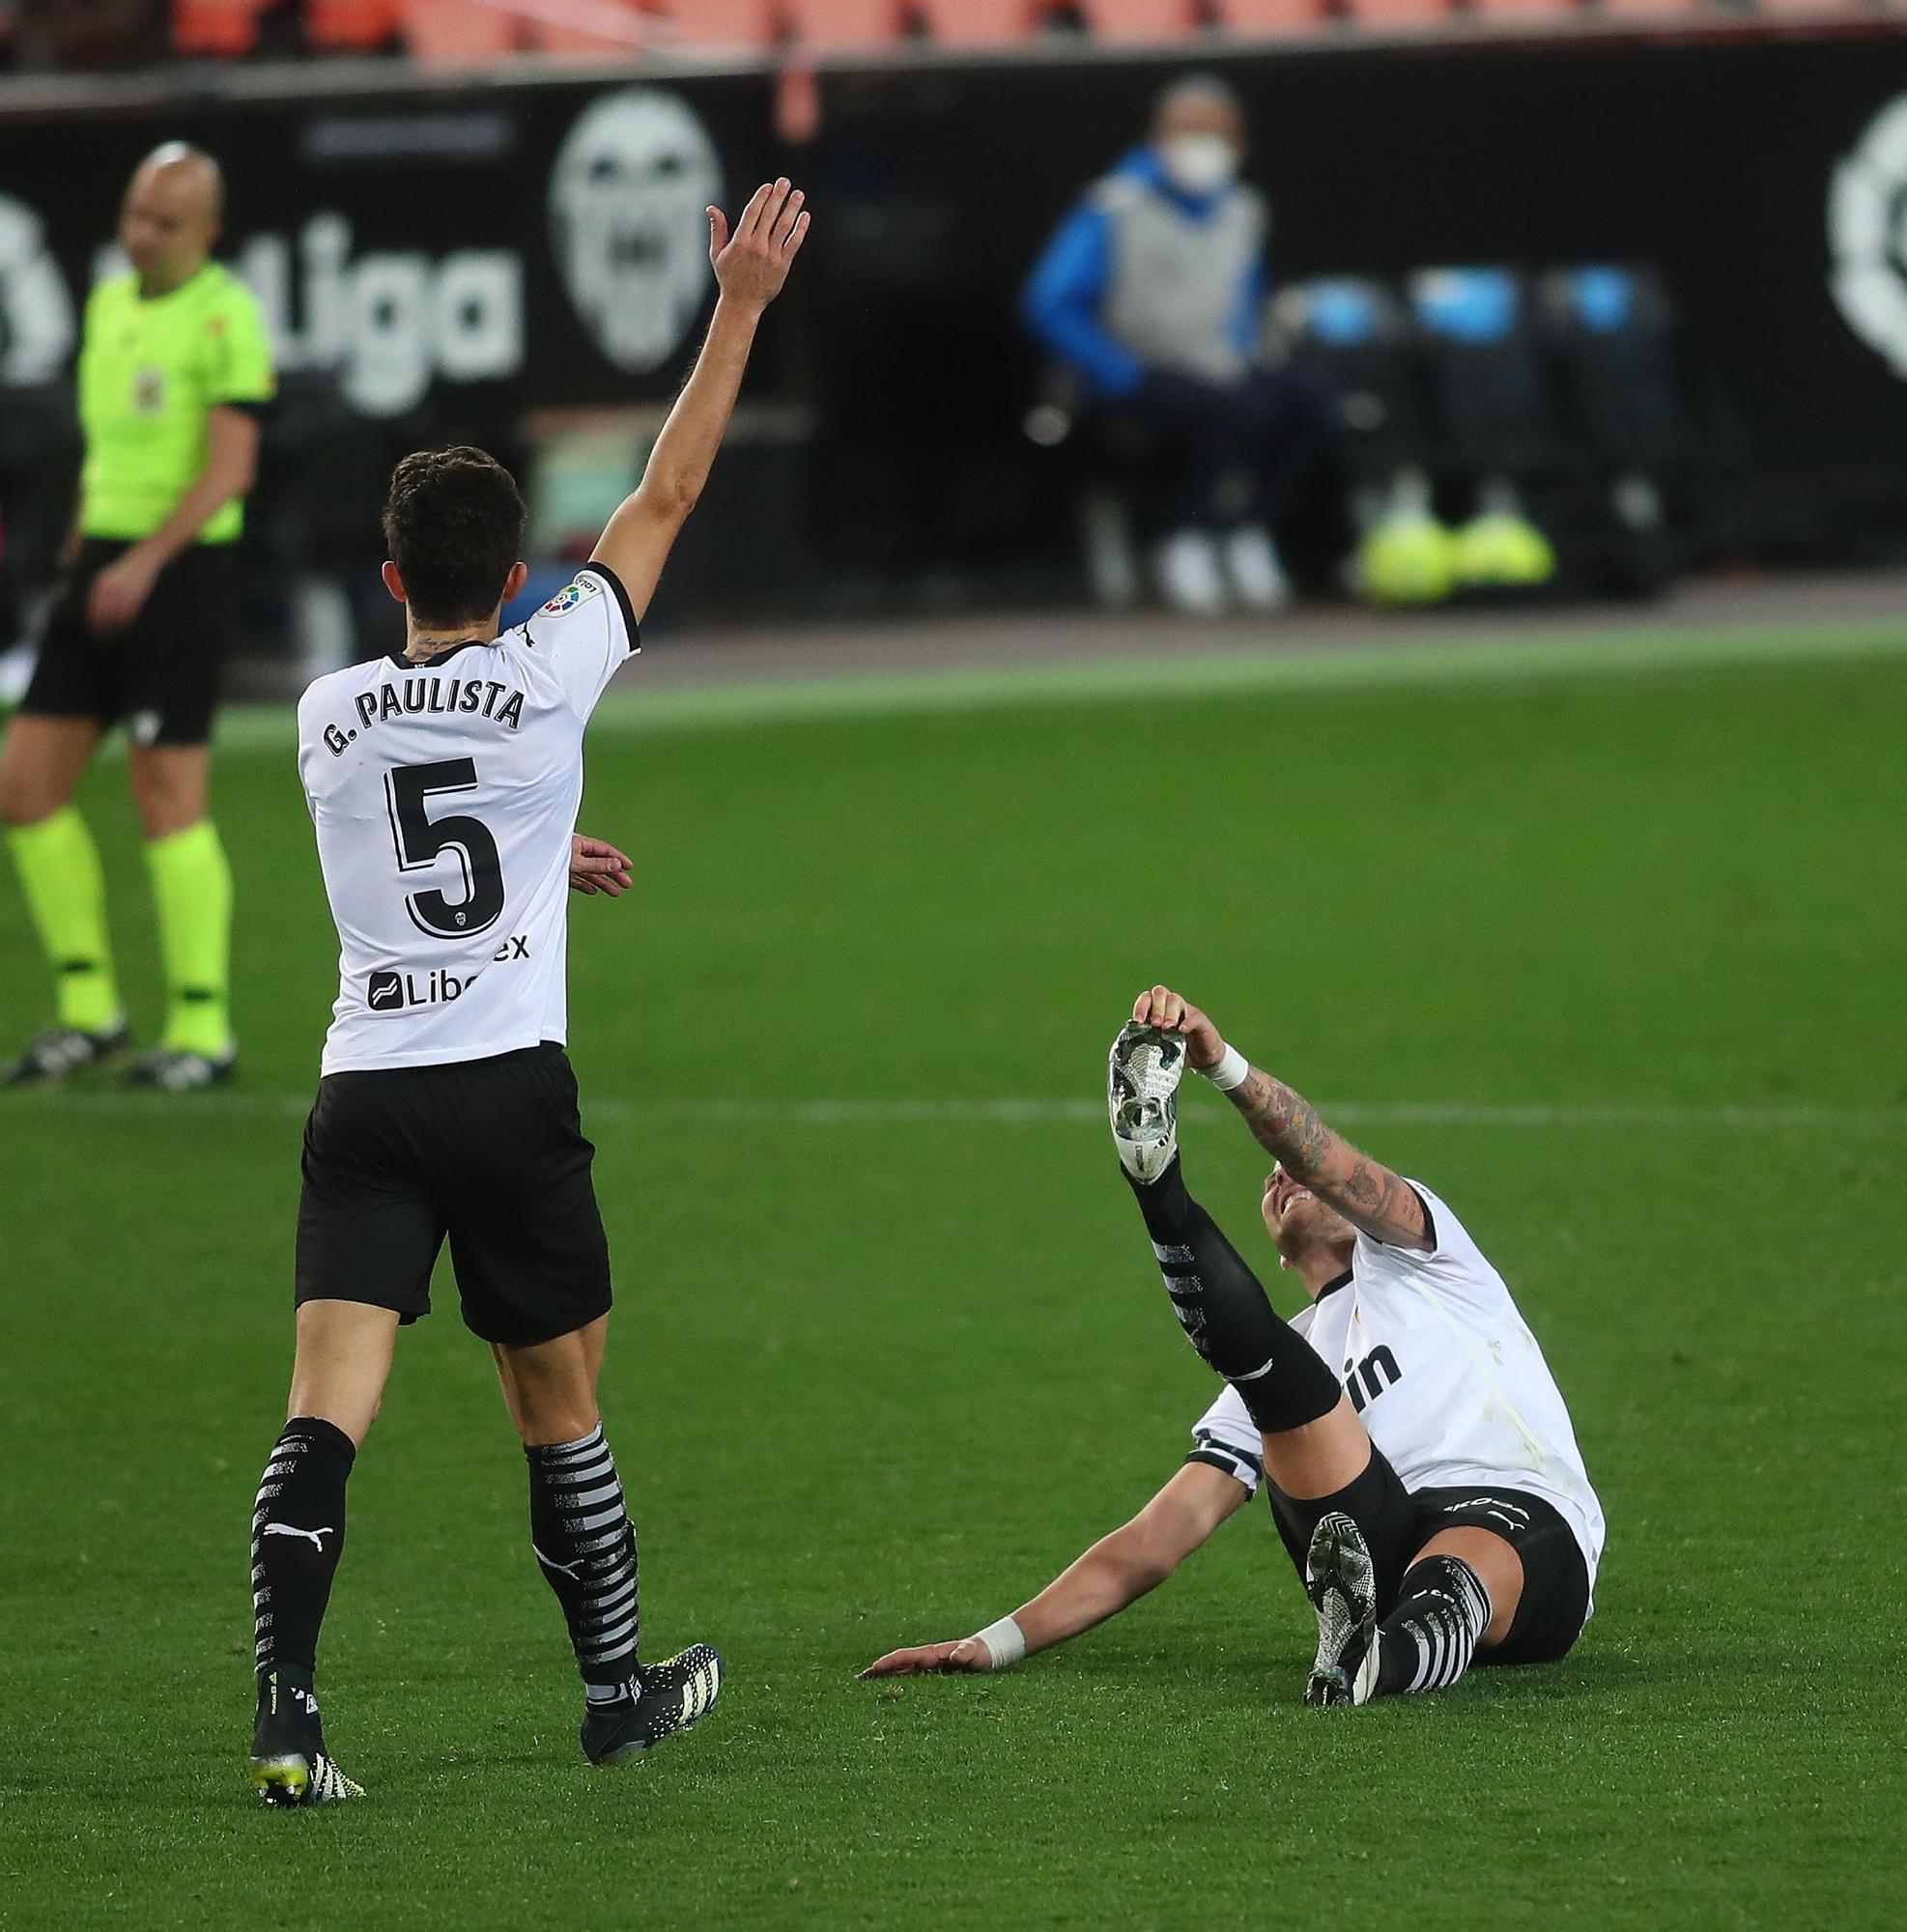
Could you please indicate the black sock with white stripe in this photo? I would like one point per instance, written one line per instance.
(1226, 1315)
(1428, 1640)
(586, 1548)
(297, 1539)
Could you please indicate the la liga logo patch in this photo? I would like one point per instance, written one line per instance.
(569, 597)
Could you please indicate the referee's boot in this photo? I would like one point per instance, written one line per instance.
(289, 1763)
(62, 1051)
(661, 1700)
(176, 1070)
(1341, 1580)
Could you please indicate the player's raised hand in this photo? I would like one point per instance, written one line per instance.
(926, 1659)
(751, 264)
(595, 865)
(1205, 1047)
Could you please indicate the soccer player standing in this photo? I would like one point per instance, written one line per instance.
(443, 785)
(172, 369)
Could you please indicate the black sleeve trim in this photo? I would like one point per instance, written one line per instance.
(1430, 1219)
(632, 630)
(1229, 1463)
(257, 407)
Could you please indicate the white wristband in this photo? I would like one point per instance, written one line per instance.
(1005, 1642)
(1229, 1072)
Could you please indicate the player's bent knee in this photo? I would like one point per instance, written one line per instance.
(1497, 1565)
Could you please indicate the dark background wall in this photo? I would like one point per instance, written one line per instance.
(934, 185)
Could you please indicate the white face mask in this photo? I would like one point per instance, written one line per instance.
(1199, 163)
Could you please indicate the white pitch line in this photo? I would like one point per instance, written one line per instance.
(1746, 1117)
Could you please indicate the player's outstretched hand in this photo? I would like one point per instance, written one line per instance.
(926, 1659)
(752, 264)
(1163, 1008)
(595, 866)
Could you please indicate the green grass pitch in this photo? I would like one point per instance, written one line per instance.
(1614, 959)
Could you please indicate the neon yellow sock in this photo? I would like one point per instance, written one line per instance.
(192, 890)
(66, 892)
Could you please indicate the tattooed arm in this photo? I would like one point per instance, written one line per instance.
(1368, 1195)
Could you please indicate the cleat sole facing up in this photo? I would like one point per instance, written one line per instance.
(1143, 1072)
(1340, 1580)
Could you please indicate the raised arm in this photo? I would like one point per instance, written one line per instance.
(750, 269)
(1368, 1195)
(1116, 1571)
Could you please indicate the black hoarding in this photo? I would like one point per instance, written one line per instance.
(458, 256)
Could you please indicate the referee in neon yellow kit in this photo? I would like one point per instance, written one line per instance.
(174, 369)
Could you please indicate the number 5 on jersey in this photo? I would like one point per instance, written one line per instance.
(420, 839)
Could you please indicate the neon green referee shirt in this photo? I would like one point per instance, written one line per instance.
(151, 373)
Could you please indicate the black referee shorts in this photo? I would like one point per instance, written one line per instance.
(160, 675)
(490, 1153)
(1397, 1522)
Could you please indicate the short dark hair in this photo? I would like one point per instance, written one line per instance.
(453, 525)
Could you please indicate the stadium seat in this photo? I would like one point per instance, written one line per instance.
(1268, 16)
(225, 29)
(456, 32)
(1528, 10)
(846, 23)
(1610, 330)
(1357, 334)
(724, 23)
(1486, 367)
(1140, 21)
(981, 24)
(356, 25)
(1379, 12)
(605, 27)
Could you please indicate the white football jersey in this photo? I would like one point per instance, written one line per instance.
(445, 795)
(1447, 1375)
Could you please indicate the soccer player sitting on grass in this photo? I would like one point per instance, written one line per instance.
(443, 783)
(1421, 1466)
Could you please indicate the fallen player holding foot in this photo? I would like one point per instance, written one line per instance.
(1419, 1459)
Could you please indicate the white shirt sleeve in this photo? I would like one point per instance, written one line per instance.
(307, 734)
(587, 632)
(1454, 1269)
(1226, 1437)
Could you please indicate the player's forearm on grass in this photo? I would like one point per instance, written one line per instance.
(1363, 1190)
(231, 467)
(1116, 1571)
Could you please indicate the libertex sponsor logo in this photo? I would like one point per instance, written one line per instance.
(391, 989)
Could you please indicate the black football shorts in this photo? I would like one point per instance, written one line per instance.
(161, 675)
(1554, 1604)
(1397, 1522)
(489, 1152)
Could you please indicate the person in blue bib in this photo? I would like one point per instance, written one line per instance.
(1151, 292)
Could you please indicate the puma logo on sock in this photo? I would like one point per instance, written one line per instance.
(317, 1536)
